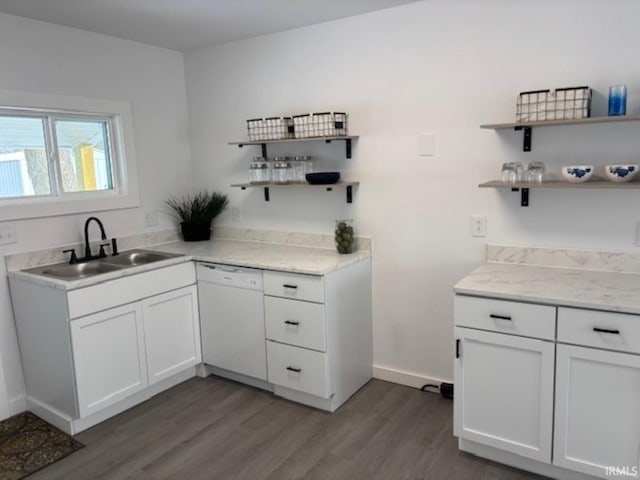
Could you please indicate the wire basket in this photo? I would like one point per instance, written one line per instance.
(326, 124)
(561, 104)
(272, 128)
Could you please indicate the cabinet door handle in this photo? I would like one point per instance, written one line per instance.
(500, 317)
(294, 369)
(293, 287)
(458, 348)
(606, 330)
(292, 322)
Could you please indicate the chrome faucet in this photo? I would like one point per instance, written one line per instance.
(87, 248)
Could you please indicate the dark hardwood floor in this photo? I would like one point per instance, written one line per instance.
(213, 428)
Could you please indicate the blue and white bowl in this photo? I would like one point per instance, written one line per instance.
(577, 173)
(621, 173)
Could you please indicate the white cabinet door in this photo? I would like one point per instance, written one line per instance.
(504, 392)
(597, 411)
(172, 332)
(108, 356)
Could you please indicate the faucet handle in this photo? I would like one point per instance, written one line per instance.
(73, 258)
(102, 253)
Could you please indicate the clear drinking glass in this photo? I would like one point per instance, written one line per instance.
(509, 172)
(519, 168)
(535, 172)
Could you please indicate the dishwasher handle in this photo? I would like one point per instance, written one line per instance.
(219, 267)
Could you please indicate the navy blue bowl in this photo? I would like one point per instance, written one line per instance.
(322, 178)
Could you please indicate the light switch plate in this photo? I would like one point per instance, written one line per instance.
(8, 233)
(426, 144)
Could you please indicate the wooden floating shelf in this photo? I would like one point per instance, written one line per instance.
(523, 188)
(599, 184)
(527, 127)
(348, 185)
(263, 143)
(294, 140)
(550, 123)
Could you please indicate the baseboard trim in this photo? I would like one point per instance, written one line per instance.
(409, 379)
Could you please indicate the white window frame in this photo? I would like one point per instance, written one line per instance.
(117, 114)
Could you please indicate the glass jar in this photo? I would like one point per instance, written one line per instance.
(282, 171)
(259, 171)
(298, 168)
(345, 236)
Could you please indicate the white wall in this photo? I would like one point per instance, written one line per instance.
(45, 58)
(434, 66)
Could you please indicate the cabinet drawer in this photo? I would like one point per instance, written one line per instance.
(613, 331)
(129, 289)
(525, 319)
(298, 368)
(294, 285)
(294, 322)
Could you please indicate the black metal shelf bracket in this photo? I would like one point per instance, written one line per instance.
(266, 194)
(526, 137)
(349, 194)
(264, 150)
(524, 196)
(347, 142)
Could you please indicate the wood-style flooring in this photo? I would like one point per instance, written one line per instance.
(213, 428)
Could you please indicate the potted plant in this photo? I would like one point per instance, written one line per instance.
(196, 212)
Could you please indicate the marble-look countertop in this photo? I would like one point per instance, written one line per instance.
(281, 257)
(524, 280)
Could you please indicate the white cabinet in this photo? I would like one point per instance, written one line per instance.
(505, 407)
(597, 411)
(318, 330)
(93, 352)
(504, 392)
(171, 332)
(109, 357)
(597, 424)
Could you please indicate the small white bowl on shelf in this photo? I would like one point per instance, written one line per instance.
(621, 173)
(577, 173)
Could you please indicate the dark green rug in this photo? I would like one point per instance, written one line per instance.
(28, 444)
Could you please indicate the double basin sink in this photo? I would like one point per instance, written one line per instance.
(124, 260)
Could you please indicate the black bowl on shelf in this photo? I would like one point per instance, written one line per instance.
(322, 178)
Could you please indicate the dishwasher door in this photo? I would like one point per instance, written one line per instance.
(232, 319)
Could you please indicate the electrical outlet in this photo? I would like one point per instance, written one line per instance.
(478, 226)
(150, 218)
(8, 233)
(235, 214)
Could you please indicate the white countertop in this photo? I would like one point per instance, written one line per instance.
(286, 258)
(600, 290)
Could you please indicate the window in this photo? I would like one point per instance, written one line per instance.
(52, 155)
(64, 157)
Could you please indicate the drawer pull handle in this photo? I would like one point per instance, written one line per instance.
(500, 317)
(606, 330)
(292, 322)
(292, 287)
(294, 369)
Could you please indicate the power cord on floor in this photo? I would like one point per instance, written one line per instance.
(445, 389)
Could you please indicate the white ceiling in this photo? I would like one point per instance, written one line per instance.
(188, 24)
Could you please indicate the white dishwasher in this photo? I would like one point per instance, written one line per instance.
(232, 319)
